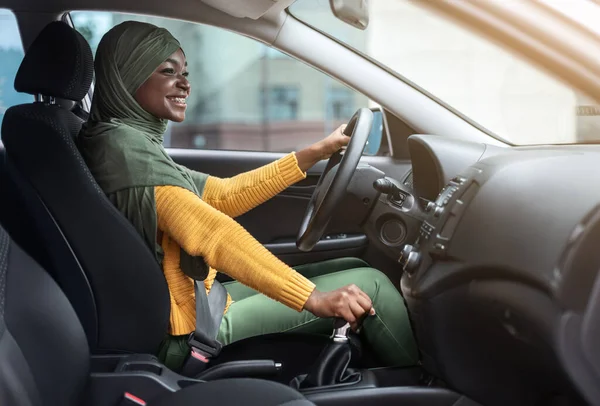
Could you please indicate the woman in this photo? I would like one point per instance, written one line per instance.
(185, 216)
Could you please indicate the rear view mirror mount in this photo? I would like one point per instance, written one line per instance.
(353, 12)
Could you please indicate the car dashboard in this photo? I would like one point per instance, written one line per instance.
(501, 282)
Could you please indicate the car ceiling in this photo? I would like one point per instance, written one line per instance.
(237, 8)
(33, 15)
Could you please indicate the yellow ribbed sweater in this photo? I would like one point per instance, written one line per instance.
(204, 227)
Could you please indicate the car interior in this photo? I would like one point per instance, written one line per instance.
(492, 245)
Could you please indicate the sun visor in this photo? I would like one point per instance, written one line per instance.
(253, 9)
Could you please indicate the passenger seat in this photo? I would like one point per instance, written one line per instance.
(45, 360)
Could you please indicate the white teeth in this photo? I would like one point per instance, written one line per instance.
(180, 100)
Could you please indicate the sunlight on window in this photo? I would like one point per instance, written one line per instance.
(11, 55)
(245, 95)
(494, 88)
(584, 12)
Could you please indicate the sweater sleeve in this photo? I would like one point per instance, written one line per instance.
(239, 194)
(201, 230)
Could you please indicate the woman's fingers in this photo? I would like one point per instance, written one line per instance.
(361, 297)
(349, 303)
(348, 315)
(359, 314)
(358, 304)
(365, 301)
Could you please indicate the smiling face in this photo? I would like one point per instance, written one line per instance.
(165, 92)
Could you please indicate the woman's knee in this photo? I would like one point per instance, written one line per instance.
(371, 281)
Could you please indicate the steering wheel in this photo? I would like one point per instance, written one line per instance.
(334, 181)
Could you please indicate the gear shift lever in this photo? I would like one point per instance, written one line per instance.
(332, 366)
(340, 331)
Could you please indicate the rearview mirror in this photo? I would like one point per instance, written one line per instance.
(353, 12)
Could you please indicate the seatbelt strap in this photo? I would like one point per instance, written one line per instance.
(209, 311)
(217, 300)
(209, 314)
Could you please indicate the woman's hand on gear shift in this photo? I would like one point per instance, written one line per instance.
(349, 303)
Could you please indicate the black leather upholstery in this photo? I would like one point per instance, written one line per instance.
(102, 264)
(44, 357)
(331, 368)
(59, 63)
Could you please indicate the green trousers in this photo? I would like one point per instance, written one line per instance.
(388, 333)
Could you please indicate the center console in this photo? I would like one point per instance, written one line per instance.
(128, 379)
(331, 382)
(442, 217)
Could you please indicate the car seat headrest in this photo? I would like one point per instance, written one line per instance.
(59, 64)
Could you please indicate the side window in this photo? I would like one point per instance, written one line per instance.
(11, 55)
(245, 95)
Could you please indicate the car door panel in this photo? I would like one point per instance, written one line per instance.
(276, 222)
(332, 246)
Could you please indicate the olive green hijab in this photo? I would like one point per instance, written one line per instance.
(121, 142)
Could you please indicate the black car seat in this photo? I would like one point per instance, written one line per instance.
(45, 360)
(104, 267)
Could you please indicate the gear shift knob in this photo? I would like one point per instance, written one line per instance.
(340, 331)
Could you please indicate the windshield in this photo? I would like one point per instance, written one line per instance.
(504, 94)
(584, 12)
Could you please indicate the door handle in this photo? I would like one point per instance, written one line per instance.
(303, 191)
(328, 243)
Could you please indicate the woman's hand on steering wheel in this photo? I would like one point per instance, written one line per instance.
(334, 181)
(348, 303)
(323, 149)
(333, 142)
